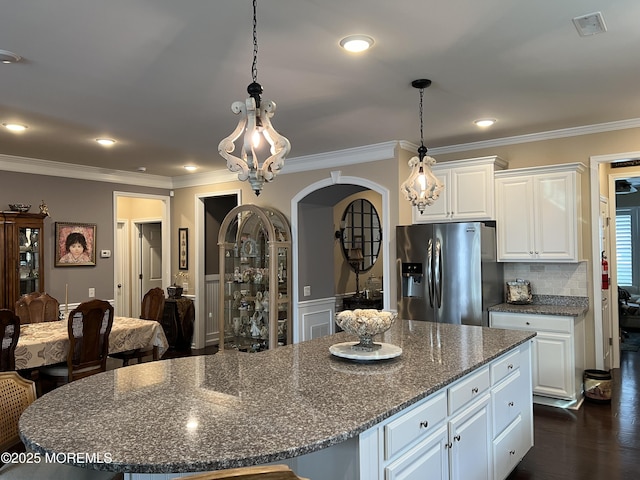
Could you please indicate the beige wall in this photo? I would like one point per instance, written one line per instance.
(344, 277)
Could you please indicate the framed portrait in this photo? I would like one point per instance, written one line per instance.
(183, 248)
(75, 244)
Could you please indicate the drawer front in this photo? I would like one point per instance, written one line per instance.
(418, 422)
(547, 323)
(506, 402)
(505, 366)
(468, 389)
(508, 450)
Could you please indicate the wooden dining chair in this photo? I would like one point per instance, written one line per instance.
(16, 394)
(9, 333)
(152, 309)
(265, 472)
(89, 326)
(37, 307)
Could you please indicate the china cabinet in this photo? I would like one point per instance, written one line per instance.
(22, 258)
(255, 288)
(538, 214)
(468, 191)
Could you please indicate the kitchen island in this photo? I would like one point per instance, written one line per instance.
(325, 416)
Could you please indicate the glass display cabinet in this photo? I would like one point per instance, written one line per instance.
(255, 282)
(22, 258)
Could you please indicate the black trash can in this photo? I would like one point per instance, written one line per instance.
(597, 386)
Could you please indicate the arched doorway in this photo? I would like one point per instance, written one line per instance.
(339, 187)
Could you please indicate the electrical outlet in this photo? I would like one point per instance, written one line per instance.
(307, 291)
(92, 292)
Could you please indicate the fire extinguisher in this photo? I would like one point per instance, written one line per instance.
(605, 272)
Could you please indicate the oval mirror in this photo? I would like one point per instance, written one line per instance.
(361, 234)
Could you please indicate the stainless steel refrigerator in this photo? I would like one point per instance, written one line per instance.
(448, 272)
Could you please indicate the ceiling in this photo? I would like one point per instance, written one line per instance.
(159, 76)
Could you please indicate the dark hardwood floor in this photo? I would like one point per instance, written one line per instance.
(598, 441)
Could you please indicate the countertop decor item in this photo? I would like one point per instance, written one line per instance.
(365, 323)
(519, 292)
(19, 207)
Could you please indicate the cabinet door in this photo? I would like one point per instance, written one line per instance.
(552, 365)
(471, 193)
(470, 443)
(556, 216)
(515, 219)
(440, 210)
(426, 461)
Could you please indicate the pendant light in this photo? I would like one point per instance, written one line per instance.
(255, 124)
(422, 188)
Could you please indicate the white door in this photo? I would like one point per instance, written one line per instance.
(123, 282)
(607, 328)
(150, 273)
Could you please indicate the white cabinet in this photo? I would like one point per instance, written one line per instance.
(512, 410)
(538, 214)
(470, 451)
(479, 427)
(468, 192)
(558, 352)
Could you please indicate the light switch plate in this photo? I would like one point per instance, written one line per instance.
(307, 291)
(105, 253)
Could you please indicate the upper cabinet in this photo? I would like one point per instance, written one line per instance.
(538, 214)
(468, 193)
(22, 258)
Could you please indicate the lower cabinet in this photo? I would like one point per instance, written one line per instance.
(558, 351)
(478, 428)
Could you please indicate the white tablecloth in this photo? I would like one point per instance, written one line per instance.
(48, 342)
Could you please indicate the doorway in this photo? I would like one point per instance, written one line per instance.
(602, 179)
(335, 185)
(210, 210)
(137, 215)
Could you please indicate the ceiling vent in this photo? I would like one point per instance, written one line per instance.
(590, 24)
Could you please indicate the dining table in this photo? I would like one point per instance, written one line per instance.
(47, 343)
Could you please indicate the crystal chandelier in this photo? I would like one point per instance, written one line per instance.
(255, 122)
(422, 188)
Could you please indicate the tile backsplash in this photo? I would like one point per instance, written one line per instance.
(568, 279)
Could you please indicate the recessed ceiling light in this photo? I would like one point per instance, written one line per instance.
(141, 169)
(190, 168)
(15, 127)
(105, 142)
(9, 57)
(485, 122)
(356, 43)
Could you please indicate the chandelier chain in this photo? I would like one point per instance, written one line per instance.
(254, 65)
(421, 122)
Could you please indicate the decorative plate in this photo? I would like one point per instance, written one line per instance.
(385, 351)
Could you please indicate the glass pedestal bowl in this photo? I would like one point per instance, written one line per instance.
(365, 323)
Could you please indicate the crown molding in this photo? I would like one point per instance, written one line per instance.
(34, 166)
(540, 136)
(328, 160)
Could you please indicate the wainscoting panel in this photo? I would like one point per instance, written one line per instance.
(316, 319)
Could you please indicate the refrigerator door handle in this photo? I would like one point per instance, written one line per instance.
(438, 274)
(430, 272)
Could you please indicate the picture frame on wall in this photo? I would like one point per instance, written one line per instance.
(75, 244)
(183, 249)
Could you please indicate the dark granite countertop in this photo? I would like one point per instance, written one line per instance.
(548, 305)
(234, 409)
